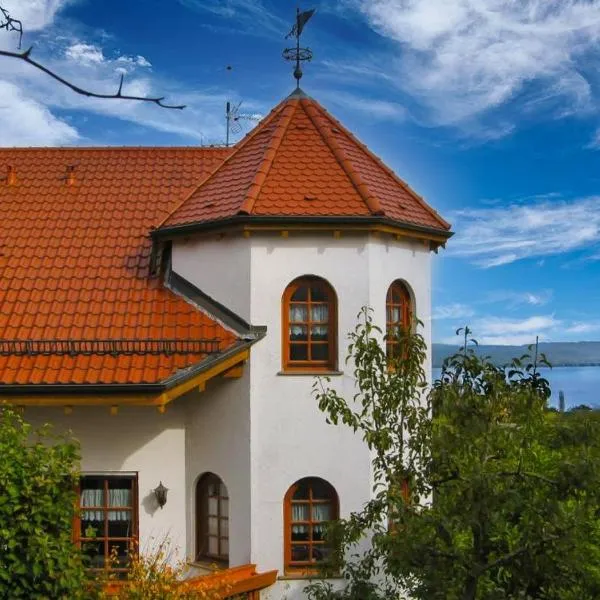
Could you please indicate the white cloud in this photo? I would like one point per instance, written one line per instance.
(34, 14)
(462, 58)
(25, 122)
(371, 107)
(511, 298)
(503, 326)
(490, 237)
(453, 311)
(252, 17)
(84, 53)
(583, 327)
(500, 330)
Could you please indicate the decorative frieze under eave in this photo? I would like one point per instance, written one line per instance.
(114, 397)
(335, 227)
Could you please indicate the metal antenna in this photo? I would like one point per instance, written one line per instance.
(298, 55)
(234, 118)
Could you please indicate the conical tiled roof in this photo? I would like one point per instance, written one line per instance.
(301, 162)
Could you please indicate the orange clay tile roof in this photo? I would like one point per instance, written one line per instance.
(74, 262)
(300, 161)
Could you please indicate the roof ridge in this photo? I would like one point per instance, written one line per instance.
(386, 168)
(272, 147)
(237, 149)
(372, 202)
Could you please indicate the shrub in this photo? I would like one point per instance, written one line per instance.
(38, 476)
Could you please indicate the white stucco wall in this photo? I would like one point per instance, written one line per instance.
(290, 439)
(220, 268)
(218, 441)
(288, 436)
(136, 439)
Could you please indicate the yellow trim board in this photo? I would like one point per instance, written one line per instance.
(336, 230)
(203, 377)
(69, 401)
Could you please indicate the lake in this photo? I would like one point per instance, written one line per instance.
(581, 385)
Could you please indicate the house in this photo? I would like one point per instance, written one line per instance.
(172, 306)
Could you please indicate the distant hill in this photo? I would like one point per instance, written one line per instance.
(560, 354)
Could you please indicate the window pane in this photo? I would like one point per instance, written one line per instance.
(321, 512)
(92, 527)
(393, 314)
(300, 553)
(319, 351)
(224, 507)
(319, 333)
(298, 352)
(298, 333)
(302, 490)
(224, 547)
(223, 490)
(213, 506)
(119, 492)
(300, 294)
(119, 524)
(91, 496)
(298, 313)
(119, 554)
(213, 525)
(319, 312)
(320, 489)
(318, 533)
(299, 512)
(318, 293)
(225, 527)
(319, 553)
(94, 554)
(213, 546)
(300, 533)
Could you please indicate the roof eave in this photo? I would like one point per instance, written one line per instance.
(242, 220)
(134, 389)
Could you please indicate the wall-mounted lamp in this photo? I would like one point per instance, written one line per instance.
(161, 494)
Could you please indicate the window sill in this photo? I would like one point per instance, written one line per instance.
(305, 576)
(209, 565)
(310, 373)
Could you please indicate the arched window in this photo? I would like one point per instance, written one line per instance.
(212, 519)
(309, 325)
(398, 312)
(308, 506)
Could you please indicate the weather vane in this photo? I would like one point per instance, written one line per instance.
(297, 54)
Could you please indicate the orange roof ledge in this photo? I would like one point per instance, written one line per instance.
(228, 583)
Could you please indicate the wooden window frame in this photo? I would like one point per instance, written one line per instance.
(78, 535)
(406, 312)
(305, 567)
(307, 366)
(202, 516)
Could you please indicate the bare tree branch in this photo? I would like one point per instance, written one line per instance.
(10, 24)
(25, 56)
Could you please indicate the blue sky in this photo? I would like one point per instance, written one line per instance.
(490, 109)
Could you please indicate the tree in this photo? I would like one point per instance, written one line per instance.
(15, 25)
(481, 492)
(38, 477)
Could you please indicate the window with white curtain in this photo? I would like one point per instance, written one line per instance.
(309, 325)
(107, 524)
(309, 505)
